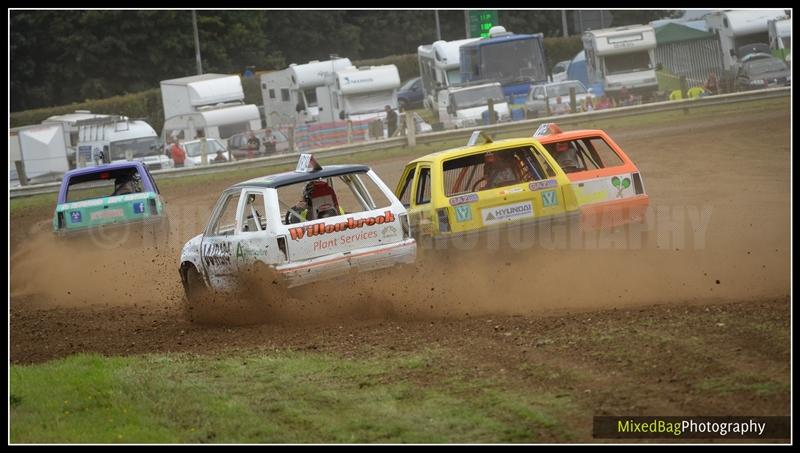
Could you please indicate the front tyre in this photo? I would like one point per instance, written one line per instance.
(198, 303)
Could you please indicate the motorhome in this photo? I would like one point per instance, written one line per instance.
(469, 106)
(116, 139)
(69, 122)
(439, 67)
(290, 95)
(358, 93)
(780, 38)
(739, 28)
(211, 104)
(514, 61)
(622, 57)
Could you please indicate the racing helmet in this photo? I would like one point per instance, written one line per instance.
(320, 199)
(562, 147)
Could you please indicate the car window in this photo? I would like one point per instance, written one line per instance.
(254, 214)
(225, 223)
(329, 197)
(405, 192)
(104, 184)
(493, 170)
(592, 153)
(424, 186)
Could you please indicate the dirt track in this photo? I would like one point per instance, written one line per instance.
(733, 170)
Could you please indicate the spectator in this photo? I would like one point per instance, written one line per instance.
(712, 84)
(253, 145)
(588, 104)
(604, 103)
(391, 121)
(220, 157)
(626, 98)
(560, 108)
(177, 153)
(270, 142)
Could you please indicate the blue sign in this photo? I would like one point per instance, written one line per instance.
(75, 216)
(138, 208)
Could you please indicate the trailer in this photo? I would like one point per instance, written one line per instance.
(622, 57)
(358, 93)
(290, 95)
(738, 28)
(439, 68)
(37, 153)
(117, 139)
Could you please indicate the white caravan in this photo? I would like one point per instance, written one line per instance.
(42, 151)
(739, 28)
(780, 38)
(290, 95)
(116, 139)
(465, 107)
(622, 57)
(358, 94)
(211, 103)
(439, 68)
(69, 122)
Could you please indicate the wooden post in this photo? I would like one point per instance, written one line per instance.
(491, 111)
(684, 92)
(349, 131)
(291, 139)
(572, 107)
(411, 129)
(23, 177)
(547, 106)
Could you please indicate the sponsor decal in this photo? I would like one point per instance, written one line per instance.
(620, 184)
(319, 229)
(544, 129)
(239, 252)
(504, 213)
(546, 184)
(75, 216)
(138, 208)
(217, 254)
(348, 80)
(389, 232)
(343, 240)
(549, 198)
(462, 199)
(509, 191)
(107, 214)
(463, 213)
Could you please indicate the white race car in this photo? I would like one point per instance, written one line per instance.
(308, 225)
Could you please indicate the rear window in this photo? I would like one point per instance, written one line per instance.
(121, 181)
(494, 170)
(329, 197)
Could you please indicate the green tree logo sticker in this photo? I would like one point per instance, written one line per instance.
(620, 184)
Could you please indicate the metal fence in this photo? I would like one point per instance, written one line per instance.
(692, 59)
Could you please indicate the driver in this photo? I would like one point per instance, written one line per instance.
(317, 196)
(567, 157)
(499, 170)
(128, 183)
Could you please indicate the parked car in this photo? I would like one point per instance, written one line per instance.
(410, 95)
(272, 141)
(560, 71)
(540, 95)
(762, 70)
(194, 152)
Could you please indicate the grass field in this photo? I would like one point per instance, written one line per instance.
(283, 397)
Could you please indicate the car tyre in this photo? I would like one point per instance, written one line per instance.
(197, 295)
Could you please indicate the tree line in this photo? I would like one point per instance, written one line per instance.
(60, 57)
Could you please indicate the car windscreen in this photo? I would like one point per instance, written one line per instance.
(194, 149)
(134, 148)
(764, 66)
(474, 98)
(563, 89)
(101, 184)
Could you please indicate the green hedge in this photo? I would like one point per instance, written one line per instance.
(147, 104)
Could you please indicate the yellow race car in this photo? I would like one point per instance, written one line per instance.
(485, 186)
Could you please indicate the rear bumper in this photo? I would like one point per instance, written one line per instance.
(610, 214)
(365, 260)
(134, 225)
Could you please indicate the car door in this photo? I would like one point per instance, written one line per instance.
(252, 242)
(220, 240)
(420, 212)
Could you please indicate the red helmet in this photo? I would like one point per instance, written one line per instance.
(562, 147)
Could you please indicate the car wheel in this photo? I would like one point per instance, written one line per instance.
(197, 294)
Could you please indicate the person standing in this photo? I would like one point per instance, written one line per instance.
(253, 145)
(391, 121)
(712, 84)
(178, 154)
